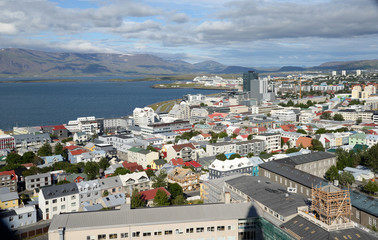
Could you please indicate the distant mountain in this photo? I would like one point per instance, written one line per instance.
(350, 65)
(237, 69)
(16, 62)
(291, 69)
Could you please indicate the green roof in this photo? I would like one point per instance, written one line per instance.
(135, 149)
(332, 150)
(360, 147)
(159, 162)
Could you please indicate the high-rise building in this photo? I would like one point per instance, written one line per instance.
(334, 73)
(343, 73)
(247, 77)
(258, 88)
(358, 72)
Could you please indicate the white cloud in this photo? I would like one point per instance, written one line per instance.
(7, 28)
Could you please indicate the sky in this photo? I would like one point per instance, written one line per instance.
(250, 33)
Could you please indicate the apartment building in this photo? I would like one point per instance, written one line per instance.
(36, 181)
(57, 199)
(272, 141)
(7, 142)
(141, 156)
(136, 180)
(186, 151)
(89, 191)
(219, 169)
(178, 125)
(9, 179)
(18, 217)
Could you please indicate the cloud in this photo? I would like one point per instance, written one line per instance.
(7, 28)
(180, 18)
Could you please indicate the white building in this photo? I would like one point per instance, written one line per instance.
(36, 181)
(57, 199)
(89, 191)
(272, 141)
(136, 180)
(284, 115)
(89, 125)
(144, 116)
(180, 111)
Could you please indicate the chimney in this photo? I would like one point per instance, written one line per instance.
(227, 198)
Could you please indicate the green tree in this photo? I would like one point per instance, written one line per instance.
(150, 172)
(290, 103)
(332, 173)
(326, 115)
(249, 155)
(246, 118)
(121, 171)
(161, 198)
(137, 200)
(250, 137)
(105, 193)
(292, 150)
(103, 163)
(371, 187)
(160, 180)
(28, 157)
(370, 159)
(62, 182)
(301, 131)
(14, 158)
(175, 189)
(72, 169)
(45, 150)
(58, 149)
(67, 140)
(346, 178)
(234, 135)
(316, 145)
(338, 117)
(359, 121)
(179, 200)
(91, 169)
(235, 155)
(221, 157)
(37, 160)
(222, 135)
(151, 148)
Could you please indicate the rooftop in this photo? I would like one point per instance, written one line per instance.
(57, 191)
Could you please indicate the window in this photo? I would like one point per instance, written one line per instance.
(370, 221)
(55, 209)
(358, 214)
(113, 190)
(113, 236)
(158, 233)
(168, 232)
(229, 228)
(146, 234)
(124, 235)
(101, 236)
(136, 234)
(10, 219)
(20, 216)
(73, 204)
(46, 202)
(220, 228)
(90, 237)
(63, 207)
(200, 229)
(189, 230)
(73, 197)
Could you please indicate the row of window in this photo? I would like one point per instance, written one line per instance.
(158, 233)
(21, 216)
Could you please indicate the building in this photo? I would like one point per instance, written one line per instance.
(8, 199)
(36, 181)
(26, 140)
(58, 130)
(185, 177)
(9, 179)
(180, 111)
(149, 195)
(111, 185)
(136, 180)
(154, 128)
(115, 124)
(272, 141)
(364, 209)
(19, 217)
(89, 191)
(258, 88)
(7, 142)
(144, 116)
(57, 199)
(141, 156)
(219, 169)
(88, 125)
(284, 116)
(185, 151)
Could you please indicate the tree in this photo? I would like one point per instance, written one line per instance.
(249, 155)
(358, 121)
(221, 157)
(338, 117)
(235, 155)
(150, 172)
(136, 199)
(250, 137)
(222, 135)
(316, 145)
(14, 158)
(326, 115)
(175, 189)
(62, 182)
(301, 131)
(58, 149)
(161, 198)
(121, 171)
(179, 200)
(91, 169)
(292, 150)
(246, 119)
(160, 180)
(370, 159)
(290, 103)
(105, 193)
(332, 173)
(371, 187)
(346, 178)
(234, 135)
(151, 148)
(103, 163)
(72, 169)
(37, 160)
(45, 150)
(67, 140)
(28, 157)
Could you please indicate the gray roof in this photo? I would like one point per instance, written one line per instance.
(110, 182)
(41, 175)
(57, 191)
(306, 158)
(290, 172)
(31, 137)
(7, 213)
(114, 200)
(8, 196)
(148, 216)
(364, 202)
(270, 194)
(308, 230)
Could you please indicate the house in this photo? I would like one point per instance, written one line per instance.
(57, 199)
(58, 130)
(113, 201)
(272, 141)
(136, 180)
(304, 142)
(141, 156)
(177, 162)
(193, 164)
(8, 199)
(112, 185)
(185, 151)
(219, 169)
(364, 209)
(27, 140)
(81, 137)
(37, 181)
(18, 217)
(94, 156)
(52, 159)
(157, 164)
(149, 195)
(9, 179)
(186, 178)
(89, 191)
(72, 177)
(360, 173)
(133, 167)
(358, 138)
(74, 155)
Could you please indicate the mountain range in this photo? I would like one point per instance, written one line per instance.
(16, 62)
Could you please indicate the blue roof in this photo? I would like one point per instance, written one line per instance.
(52, 159)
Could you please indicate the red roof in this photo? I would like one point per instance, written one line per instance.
(206, 135)
(237, 131)
(194, 164)
(244, 136)
(285, 139)
(178, 148)
(182, 130)
(237, 116)
(288, 127)
(59, 127)
(211, 123)
(72, 147)
(12, 173)
(326, 139)
(150, 194)
(178, 161)
(78, 152)
(216, 114)
(262, 129)
(28, 165)
(132, 166)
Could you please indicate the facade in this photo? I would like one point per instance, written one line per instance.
(177, 125)
(88, 125)
(59, 130)
(9, 179)
(255, 146)
(185, 151)
(258, 88)
(214, 149)
(285, 116)
(144, 116)
(57, 199)
(364, 210)
(89, 191)
(180, 111)
(26, 140)
(115, 124)
(112, 185)
(219, 169)
(19, 217)
(7, 142)
(36, 181)
(8, 199)
(272, 141)
(141, 156)
(136, 180)
(185, 177)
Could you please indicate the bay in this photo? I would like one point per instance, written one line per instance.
(50, 103)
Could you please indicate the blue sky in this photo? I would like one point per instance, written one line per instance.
(251, 33)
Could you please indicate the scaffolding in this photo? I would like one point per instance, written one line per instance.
(331, 205)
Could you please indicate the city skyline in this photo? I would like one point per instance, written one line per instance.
(245, 33)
